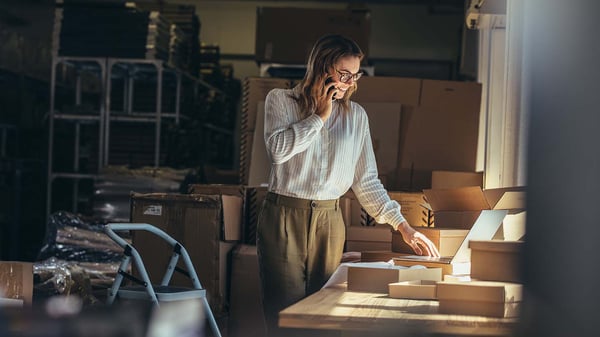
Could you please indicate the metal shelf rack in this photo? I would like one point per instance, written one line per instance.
(106, 71)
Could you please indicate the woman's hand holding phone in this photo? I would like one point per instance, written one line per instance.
(325, 102)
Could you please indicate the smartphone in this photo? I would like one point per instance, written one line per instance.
(327, 81)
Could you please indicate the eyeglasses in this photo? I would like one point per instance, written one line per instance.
(346, 76)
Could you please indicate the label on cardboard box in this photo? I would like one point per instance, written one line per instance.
(153, 210)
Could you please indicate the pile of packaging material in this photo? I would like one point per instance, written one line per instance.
(77, 257)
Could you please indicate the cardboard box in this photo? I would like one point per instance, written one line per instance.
(457, 278)
(495, 260)
(383, 98)
(245, 312)
(254, 92)
(377, 255)
(455, 179)
(376, 279)
(278, 39)
(351, 209)
(451, 142)
(16, 283)
(446, 240)
(208, 226)
(360, 238)
(252, 200)
(459, 207)
(384, 123)
(482, 298)
(512, 199)
(411, 206)
(418, 290)
(456, 207)
(403, 90)
(411, 179)
(484, 228)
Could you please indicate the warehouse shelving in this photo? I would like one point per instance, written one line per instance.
(94, 117)
(106, 72)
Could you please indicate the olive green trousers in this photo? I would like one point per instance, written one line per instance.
(300, 244)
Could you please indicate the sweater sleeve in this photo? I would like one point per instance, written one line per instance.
(368, 188)
(285, 135)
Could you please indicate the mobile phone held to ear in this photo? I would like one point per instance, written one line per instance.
(327, 81)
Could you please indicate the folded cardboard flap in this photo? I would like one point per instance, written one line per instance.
(509, 198)
(469, 198)
(458, 207)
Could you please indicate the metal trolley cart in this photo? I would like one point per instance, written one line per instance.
(145, 290)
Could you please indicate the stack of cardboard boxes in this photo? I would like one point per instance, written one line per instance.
(496, 289)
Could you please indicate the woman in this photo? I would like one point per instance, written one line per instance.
(320, 146)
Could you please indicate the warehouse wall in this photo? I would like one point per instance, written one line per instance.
(400, 33)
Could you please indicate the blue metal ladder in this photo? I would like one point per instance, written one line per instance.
(146, 290)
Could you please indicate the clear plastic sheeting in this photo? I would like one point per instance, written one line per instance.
(73, 237)
(77, 257)
(57, 277)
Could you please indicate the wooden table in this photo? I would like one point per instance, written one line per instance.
(336, 308)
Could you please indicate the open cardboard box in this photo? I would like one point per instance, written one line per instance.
(376, 278)
(484, 228)
(459, 207)
(416, 289)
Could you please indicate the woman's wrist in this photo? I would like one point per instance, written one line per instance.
(404, 228)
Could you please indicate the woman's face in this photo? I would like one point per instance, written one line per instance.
(345, 69)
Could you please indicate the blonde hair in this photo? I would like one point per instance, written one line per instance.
(326, 52)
